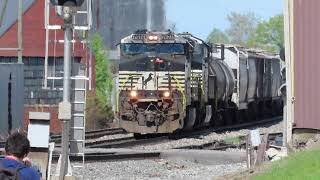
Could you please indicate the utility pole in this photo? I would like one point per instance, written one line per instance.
(20, 31)
(65, 105)
(288, 29)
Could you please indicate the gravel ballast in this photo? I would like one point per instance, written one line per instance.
(169, 168)
(156, 169)
(198, 140)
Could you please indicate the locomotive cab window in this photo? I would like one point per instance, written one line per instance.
(156, 64)
(136, 48)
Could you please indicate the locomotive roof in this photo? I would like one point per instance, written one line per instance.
(164, 37)
(252, 51)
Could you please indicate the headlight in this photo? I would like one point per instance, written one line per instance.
(166, 94)
(153, 38)
(133, 94)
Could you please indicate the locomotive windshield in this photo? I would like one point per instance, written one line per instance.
(152, 64)
(136, 48)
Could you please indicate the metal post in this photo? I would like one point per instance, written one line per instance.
(46, 22)
(20, 32)
(3, 11)
(90, 70)
(149, 15)
(66, 92)
(9, 104)
(289, 106)
(67, 63)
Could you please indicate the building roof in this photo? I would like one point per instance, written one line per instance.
(9, 13)
(34, 33)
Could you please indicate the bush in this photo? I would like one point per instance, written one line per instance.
(99, 110)
(98, 115)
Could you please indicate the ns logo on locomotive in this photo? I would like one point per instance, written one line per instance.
(169, 82)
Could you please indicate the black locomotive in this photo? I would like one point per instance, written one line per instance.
(169, 82)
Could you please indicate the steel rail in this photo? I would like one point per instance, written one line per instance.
(92, 134)
(130, 142)
(94, 157)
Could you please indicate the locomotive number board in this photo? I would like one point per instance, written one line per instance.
(162, 37)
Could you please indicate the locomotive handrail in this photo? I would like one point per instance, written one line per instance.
(122, 84)
(181, 90)
(198, 79)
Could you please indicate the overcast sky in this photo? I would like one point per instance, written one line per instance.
(201, 16)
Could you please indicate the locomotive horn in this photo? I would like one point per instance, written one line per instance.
(222, 51)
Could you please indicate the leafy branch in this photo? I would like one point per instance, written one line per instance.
(104, 81)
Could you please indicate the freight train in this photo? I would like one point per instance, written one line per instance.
(169, 82)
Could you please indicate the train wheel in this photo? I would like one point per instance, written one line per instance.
(200, 116)
(138, 136)
(260, 113)
(270, 109)
(181, 122)
(206, 116)
(242, 116)
(277, 108)
(252, 112)
(218, 120)
(239, 117)
(191, 118)
(227, 116)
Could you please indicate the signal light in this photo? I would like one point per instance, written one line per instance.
(71, 3)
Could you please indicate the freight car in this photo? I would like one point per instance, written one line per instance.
(169, 82)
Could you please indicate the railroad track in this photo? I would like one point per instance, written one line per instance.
(131, 141)
(127, 142)
(93, 134)
(102, 132)
(105, 141)
(112, 156)
(215, 145)
(221, 145)
(203, 131)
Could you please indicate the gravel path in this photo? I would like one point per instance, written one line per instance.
(156, 169)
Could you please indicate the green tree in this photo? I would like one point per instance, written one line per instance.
(217, 36)
(269, 35)
(241, 26)
(104, 81)
(98, 111)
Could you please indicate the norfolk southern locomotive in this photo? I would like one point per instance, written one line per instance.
(169, 82)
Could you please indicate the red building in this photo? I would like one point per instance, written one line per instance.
(36, 97)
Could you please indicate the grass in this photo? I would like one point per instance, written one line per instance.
(299, 166)
(233, 140)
